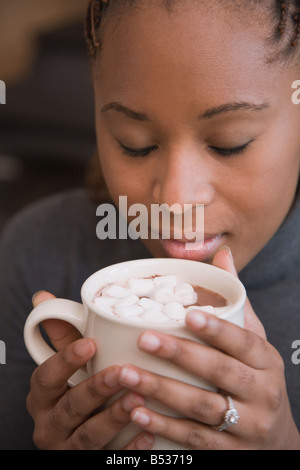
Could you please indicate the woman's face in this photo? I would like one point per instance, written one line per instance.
(188, 112)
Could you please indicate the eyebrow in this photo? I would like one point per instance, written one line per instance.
(208, 114)
(123, 109)
(227, 107)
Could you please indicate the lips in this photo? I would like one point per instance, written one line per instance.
(197, 251)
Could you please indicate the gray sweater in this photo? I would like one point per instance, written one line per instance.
(52, 245)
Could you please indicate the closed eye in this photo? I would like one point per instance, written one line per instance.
(228, 152)
(143, 152)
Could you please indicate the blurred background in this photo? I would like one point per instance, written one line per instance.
(47, 124)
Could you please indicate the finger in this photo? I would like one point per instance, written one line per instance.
(212, 365)
(96, 432)
(144, 441)
(59, 332)
(233, 340)
(78, 403)
(49, 380)
(199, 405)
(195, 403)
(188, 434)
(240, 345)
(223, 259)
(41, 296)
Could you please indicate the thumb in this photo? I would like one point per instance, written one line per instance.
(59, 332)
(223, 259)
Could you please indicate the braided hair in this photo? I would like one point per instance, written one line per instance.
(287, 11)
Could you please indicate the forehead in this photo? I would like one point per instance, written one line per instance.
(215, 52)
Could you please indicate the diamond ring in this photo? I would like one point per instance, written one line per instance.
(231, 416)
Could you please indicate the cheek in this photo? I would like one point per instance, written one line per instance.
(277, 184)
(264, 192)
(125, 177)
(115, 173)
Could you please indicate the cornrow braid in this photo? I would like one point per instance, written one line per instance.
(285, 7)
(296, 39)
(289, 10)
(93, 19)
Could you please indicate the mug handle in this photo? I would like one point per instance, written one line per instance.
(60, 309)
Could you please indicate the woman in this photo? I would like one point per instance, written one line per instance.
(193, 105)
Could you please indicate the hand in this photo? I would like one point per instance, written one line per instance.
(70, 418)
(239, 362)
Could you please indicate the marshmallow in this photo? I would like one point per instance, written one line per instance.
(149, 303)
(185, 294)
(172, 280)
(140, 287)
(128, 311)
(116, 291)
(126, 301)
(104, 300)
(159, 299)
(174, 311)
(154, 315)
(163, 293)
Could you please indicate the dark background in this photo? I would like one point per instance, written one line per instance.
(47, 124)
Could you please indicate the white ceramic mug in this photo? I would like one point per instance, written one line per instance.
(116, 338)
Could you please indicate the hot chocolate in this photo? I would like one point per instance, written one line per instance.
(157, 299)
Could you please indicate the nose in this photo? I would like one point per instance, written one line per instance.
(184, 177)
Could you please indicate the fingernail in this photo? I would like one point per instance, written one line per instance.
(35, 295)
(225, 247)
(131, 401)
(230, 253)
(149, 342)
(140, 418)
(111, 378)
(129, 377)
(145, 443)
(83, 347)
(196, 319)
